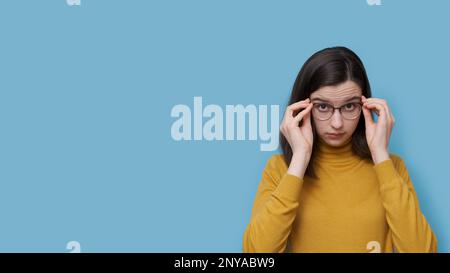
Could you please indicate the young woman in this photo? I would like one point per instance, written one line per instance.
(336, 188)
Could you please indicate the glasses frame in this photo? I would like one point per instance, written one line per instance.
(339, 108)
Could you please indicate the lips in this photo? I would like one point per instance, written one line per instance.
(332, 135)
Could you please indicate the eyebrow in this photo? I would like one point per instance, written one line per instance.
(346, 100)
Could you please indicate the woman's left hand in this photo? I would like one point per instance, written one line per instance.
(379, 133)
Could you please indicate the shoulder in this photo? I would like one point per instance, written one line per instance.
(396, 159)
(276, 165)
(276, 161)
(399, 163)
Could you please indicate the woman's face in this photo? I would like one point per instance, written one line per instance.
(340, 123)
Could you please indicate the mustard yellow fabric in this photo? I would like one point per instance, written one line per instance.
(353, 206)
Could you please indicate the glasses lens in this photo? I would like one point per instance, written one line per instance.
(322, 111)
(351, 110)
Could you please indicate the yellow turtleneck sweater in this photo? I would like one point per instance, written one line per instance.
(353, 206)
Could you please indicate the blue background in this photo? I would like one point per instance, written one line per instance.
(86, 93)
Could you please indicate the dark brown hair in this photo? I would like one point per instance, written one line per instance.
(330, 67)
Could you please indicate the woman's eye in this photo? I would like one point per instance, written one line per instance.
(349, 106)
(323, 107)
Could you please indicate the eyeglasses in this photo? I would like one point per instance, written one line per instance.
(324, 111)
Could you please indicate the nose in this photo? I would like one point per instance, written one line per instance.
(336, 120)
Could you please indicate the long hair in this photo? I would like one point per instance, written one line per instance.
(329, 67)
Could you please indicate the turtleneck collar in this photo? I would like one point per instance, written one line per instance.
(337, 156)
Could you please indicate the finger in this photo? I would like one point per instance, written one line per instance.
(389, 117)
(307, 117)
(389, 110)
(390, 120)
(384, 104)
(379, 108)
(368, 116)
(296, 106)
(300, 115)
(371, 108)
(386, 107)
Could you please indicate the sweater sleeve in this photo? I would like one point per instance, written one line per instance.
(410, 230)
(274, 210)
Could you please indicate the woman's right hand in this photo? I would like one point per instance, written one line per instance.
(300, 138)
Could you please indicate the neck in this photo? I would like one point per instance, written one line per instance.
(341, 153)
